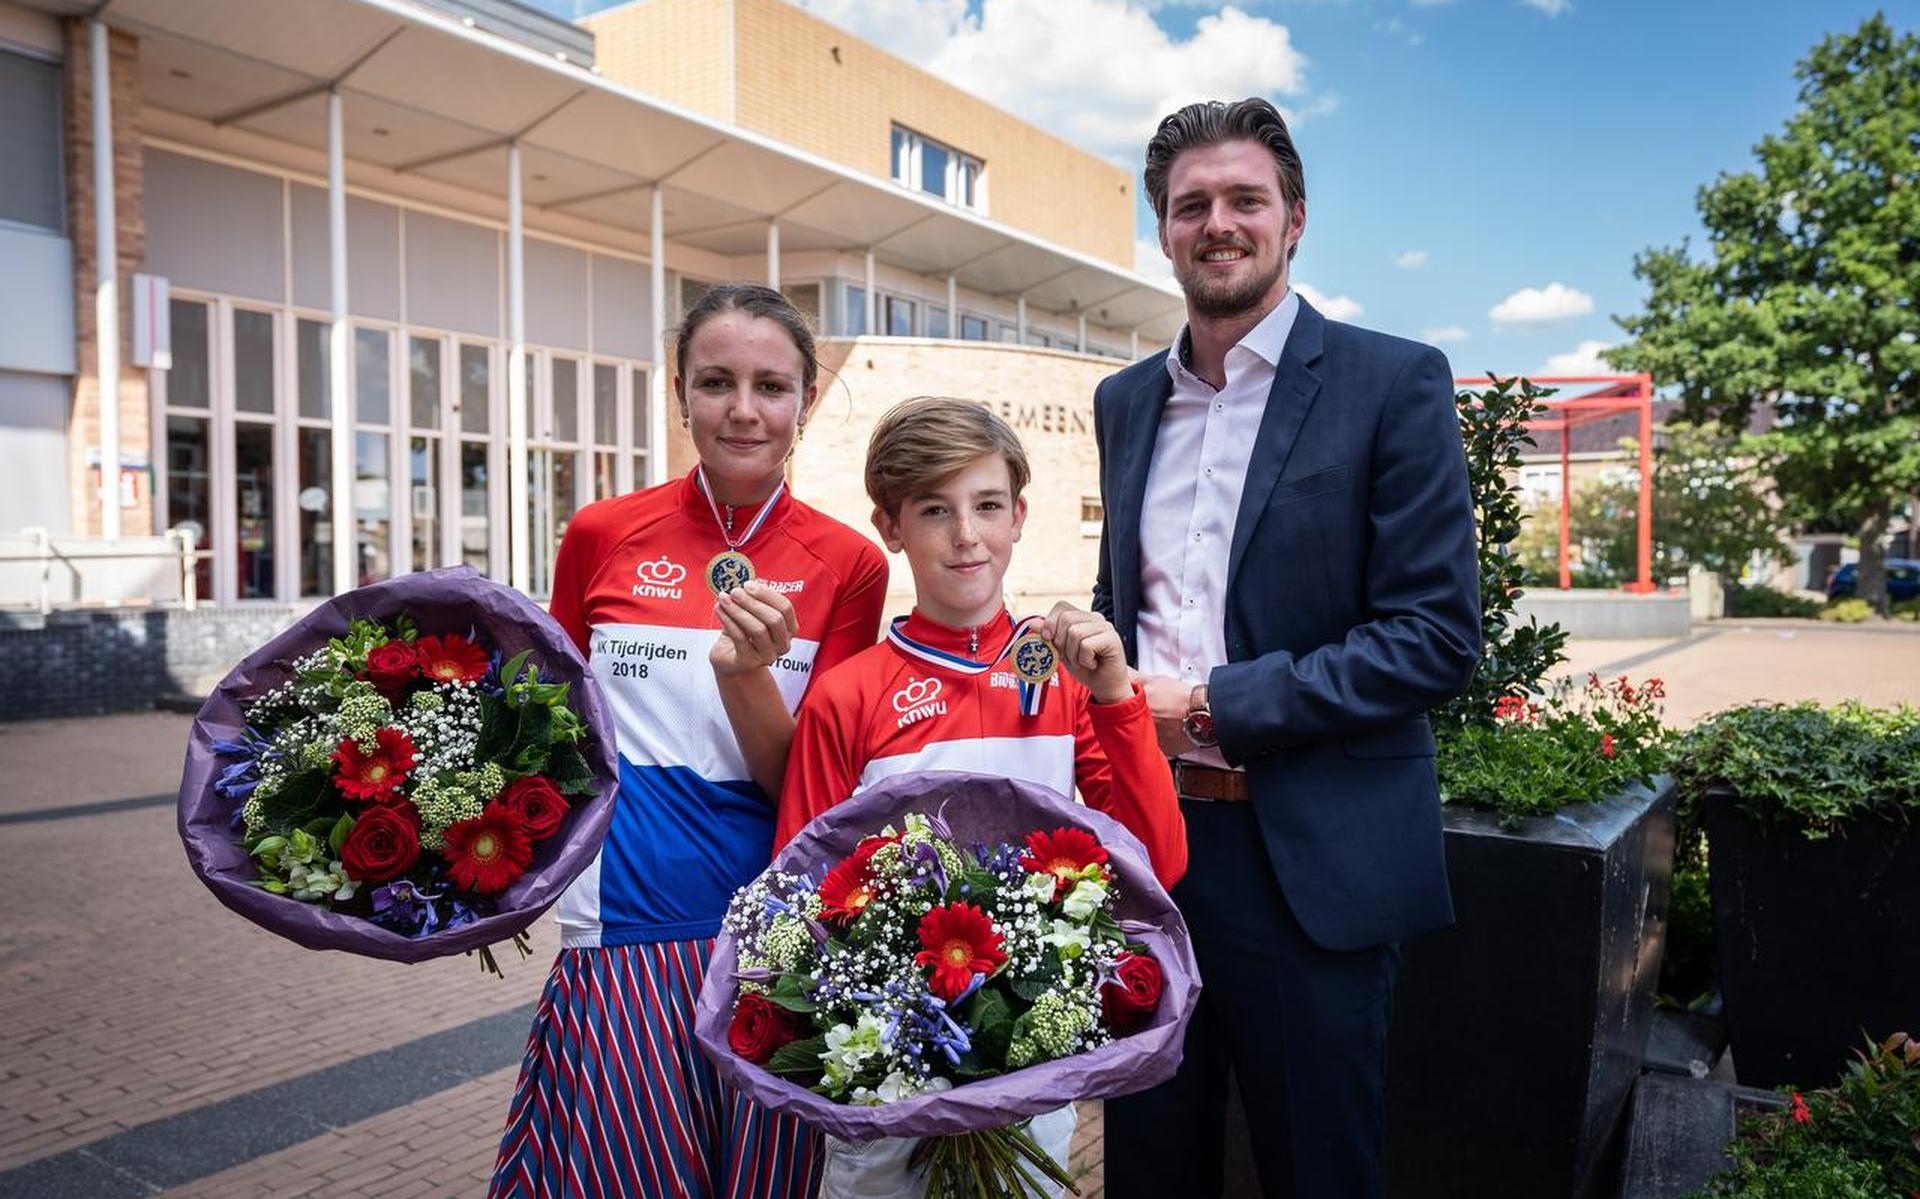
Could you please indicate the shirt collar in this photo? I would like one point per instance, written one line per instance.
(992, 634)
(1266, 340)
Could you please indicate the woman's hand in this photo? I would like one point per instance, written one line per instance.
(1090, 650)
(757, 626)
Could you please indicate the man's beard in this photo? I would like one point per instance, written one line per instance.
(1226, 298)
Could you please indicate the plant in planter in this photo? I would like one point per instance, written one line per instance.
(1808, 816)
(1855, 1140)
(1518, 1032)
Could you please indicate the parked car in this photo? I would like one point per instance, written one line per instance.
(1903, 580)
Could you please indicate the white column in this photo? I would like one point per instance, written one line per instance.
(1133, 344)
(657, 286)
(953, 308)
(1083, 333)
(106, 290)
(872, 304)
(346, 561)
(773, 255)
(519, 519)
(1020, 320)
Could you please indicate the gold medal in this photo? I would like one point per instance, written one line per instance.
(1034, 658)
(728, 569)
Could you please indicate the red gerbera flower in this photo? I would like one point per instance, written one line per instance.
(450, 659)
(374, 777)
(960, 943)
(486, 854)
(1063, 853)
(847, 889)
(1606, 745)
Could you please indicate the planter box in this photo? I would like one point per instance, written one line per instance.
(1518, 1033)
(1815, 939)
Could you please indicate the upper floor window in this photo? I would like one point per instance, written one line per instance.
(925, 165)
(30, 186)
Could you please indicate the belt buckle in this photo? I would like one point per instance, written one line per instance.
(1180, 766)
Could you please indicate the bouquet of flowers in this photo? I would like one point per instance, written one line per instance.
(940, 955)
(383, 777)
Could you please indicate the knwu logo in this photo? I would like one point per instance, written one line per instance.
(919, 700)
(660, 578)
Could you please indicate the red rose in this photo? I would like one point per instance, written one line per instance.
(759, 1027)
(540, 805)
(1130, 999)
(392, 666)
(383, 845)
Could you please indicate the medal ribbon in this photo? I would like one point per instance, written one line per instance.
(753, 526)
(1033, 696)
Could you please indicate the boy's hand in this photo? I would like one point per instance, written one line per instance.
(757, 626)
(1091, 652)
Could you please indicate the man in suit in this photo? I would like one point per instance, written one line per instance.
(1289, 557)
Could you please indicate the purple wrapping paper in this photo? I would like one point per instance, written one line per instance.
(989, 809)
(453, 600)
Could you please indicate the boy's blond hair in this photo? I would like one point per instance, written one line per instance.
(923, 440)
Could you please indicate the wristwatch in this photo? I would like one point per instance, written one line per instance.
(1198, 722)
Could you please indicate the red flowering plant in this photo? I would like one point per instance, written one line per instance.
(404, 779)
(914, 965)
(1532, 756)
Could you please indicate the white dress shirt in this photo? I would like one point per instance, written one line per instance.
(1199, 468)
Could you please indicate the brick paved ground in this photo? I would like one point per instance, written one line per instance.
(127, 994)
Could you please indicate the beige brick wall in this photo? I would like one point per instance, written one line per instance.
(1046, 396)
(679, 50)
(83, 429)
(769, 66)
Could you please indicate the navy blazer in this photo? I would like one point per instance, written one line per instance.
(1352, 609)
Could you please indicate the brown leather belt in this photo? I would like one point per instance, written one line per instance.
(1210, 783)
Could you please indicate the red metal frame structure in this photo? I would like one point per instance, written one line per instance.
(1612, 394)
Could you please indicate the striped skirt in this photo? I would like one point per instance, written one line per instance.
(615, 1098)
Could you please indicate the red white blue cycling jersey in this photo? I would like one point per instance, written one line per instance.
(887, 712)
(690, 826)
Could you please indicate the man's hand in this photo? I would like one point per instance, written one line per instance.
(1168, 699)
(757, 626)
(1090, 650)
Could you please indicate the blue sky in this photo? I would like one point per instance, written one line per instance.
(1461, 155)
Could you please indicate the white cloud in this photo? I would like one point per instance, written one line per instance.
(1149, 261)
(1541, 305)
(1443, 333)
(1099, 73)
(1336, 308)
(1584, 359)
(1412, 260)
(1553, 8)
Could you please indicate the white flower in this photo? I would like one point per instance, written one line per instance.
(1039, 888)
(848, 1046)
(1069, 938)
(1084, 900)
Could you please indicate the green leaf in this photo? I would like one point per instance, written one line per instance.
(341, 828)
(497, 725)
(532, 738)
(798, 1057)
(300, 800)
(1031, 987)
(569, 770)
(789, 993)
(510, 672)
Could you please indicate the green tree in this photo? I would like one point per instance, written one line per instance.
(1809, 300)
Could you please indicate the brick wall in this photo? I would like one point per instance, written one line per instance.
(83, 430)
(81, 663)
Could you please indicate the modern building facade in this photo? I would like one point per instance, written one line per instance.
(394, 278)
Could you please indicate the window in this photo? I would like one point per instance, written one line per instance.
(937, 321)
(1540, 484)
(974, 328)
(1093, 513)
(30, 187)
(899, 317)
(853, 311)
(928, 166)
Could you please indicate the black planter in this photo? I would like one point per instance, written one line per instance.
(1816, 941)
(1518, 1033)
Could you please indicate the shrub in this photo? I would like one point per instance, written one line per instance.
(1854, 1140)
(1803, 764)
(1763, 601)
(1847, 611)
(1535, 759)
(1907, 610)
